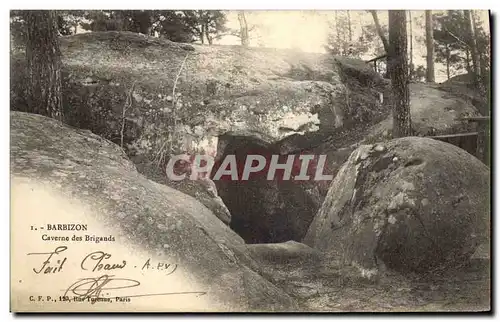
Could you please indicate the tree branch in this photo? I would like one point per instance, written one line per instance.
(451, 34)
(128, 104)
(174, 100)
(379, 30)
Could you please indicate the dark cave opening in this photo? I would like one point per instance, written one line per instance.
(262, 211)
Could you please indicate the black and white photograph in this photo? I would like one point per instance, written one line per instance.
(250, 161)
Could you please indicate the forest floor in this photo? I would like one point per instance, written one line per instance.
(335, 289)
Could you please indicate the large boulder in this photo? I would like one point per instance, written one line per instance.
(202, 190)
(289, 253)
(433, 112)
(112, 78)
(464, 86)
(65, 175)
(410, 204)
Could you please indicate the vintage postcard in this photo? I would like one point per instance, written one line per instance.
(250, 161)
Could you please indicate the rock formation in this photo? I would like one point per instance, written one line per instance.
(59, 173)
(411, 204)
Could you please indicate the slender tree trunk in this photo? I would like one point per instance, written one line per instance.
(429, 40)
(472, 42)
(337, 30)
(476, 68)
(484, 108)
(484, 70)
(202, 33)
(44, 86)
(379, 31)
(201, 19)
(467, 61)
(481, 61)
(447, 62)
(210, 39)
(483, 143)
(350, 26)
(121, 22)
(412, 67)
(243, 29)
(398, 62)
(482, 65)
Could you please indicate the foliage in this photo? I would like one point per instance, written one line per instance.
(450, 49)
(452, 44)
(418, 73)
(17, 31)
(340, 41)
(172, 25)
(370, 36)
(483, 44)
(104, 20)
(207, 24)
(180, 26)
(175, 25)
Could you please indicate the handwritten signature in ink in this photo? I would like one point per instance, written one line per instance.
(95, 287)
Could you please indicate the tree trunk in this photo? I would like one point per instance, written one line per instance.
(484, 105)
(472, 42)
(44, 85)
(482, 65)
(429, 40)
(350, 27)
(379, 31)
(481, 60)
(483, 140)
(210, 39)
(411, 46)
(243, 29)
(122, 23)
(467, 58)
(398, 62)
(337, 30)
(202, 33)
(142, 20)
(447, 62)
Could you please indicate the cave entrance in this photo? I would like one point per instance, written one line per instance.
(262, 211)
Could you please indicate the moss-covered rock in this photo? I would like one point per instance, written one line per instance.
(413, 204)
(169, 99)
(60, 174)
